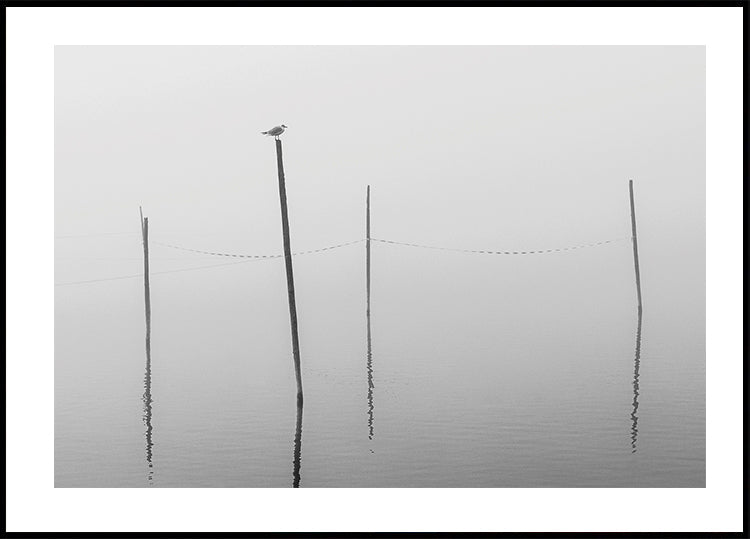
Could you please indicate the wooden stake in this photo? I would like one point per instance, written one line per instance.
(367, 244)
(146, 283)
(289, 272)
(147, 400)
(635, 247)
(370, 385)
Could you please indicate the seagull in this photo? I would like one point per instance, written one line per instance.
(275, 132)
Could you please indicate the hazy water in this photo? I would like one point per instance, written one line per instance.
(483, 371)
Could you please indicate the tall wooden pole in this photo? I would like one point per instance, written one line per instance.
(635, 247)
(289, 271)
(368, 253)
(637, 360)
(147, 400)
(370, 385)
(146, 284)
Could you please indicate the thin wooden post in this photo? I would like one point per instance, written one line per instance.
(147, 400)
(146, 283)
(370, 385)
(289, 272)
(148, 413)
(635, 247)
(368, 252)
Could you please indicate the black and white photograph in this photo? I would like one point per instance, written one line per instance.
(411, 267)
(441, 267)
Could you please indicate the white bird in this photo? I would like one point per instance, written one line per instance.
(275, 131)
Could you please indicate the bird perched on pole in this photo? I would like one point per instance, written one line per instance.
(275, 131)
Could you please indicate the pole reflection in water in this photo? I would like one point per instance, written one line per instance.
(370, 385)
(147, 409)
(636, 376)
(297, 449)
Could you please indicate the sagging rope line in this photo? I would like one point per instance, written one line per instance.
(477, 251)
(487, 252)
(250, 259)
(257, 256)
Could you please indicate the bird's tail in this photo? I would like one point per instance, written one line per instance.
(264, 132)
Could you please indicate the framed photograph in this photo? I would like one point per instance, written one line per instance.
(374, 269)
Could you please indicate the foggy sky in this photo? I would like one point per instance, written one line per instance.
(474, 147)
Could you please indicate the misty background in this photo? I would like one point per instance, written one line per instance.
(488, 370)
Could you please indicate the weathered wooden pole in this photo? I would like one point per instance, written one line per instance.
(146, 284)
(635, 247)
(289, 271)
(147, 400)
(367, 246)
(370, 385)
(637, 360)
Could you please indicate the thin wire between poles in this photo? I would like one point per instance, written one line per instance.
(233, 255)
(476, 251)
(487, 252)
(250, 258)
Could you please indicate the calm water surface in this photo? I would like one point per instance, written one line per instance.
(480, 371)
